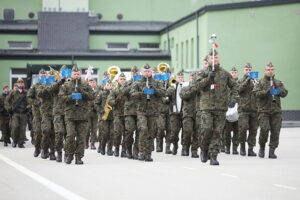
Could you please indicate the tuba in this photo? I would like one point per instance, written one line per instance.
(161, 67)
(113, 71)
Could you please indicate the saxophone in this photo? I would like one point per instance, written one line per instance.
(107, 109)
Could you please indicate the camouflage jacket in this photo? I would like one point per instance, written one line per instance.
(92, 106)
(32, 98)
(189, 102)
(100, 102)
(13, 102)
(164, 103)
(73, 111)
(116, 99)
(58, 104)
(215, 99)
(247, 99)
(145, 107)
(3, 111)
(130, 104)
(265, 101)
(46, 99)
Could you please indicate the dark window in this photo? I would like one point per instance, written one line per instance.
(117, 46)
(19, 45)
(18, 71)
(149, 45)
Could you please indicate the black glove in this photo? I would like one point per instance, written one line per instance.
(231, 103)
(212, 74)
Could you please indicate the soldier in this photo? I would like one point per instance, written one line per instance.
(35, 103)
(269, 91)
(130, 116)
(92, 119)
(189, 137)
(213, 84)
(105, 120)
(247, 112)
(76, 94)
(4, 117)
(117, 101)
(175, 112)
(16, 105)
(231, 125)
(147, 92)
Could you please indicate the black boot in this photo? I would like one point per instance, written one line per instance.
(52, 156)
(242, 149)
(272, 154)
(204, 156)
(109, 151)
(141, 157)
(148, 158)
(213, 159)
(195, 155)
(45, 154)
(116, 152)
(5, 144)
(135, 156)
(78, 161)
(14, 145)
(227, 149)
(222, 149)
(251, 152)
(261, 152)
(102, 149)
(93, 146)
(158, 147)
(21, 145)
(175, 147)
(99, 148)
(68, 159)
(86, 145)
(168, 149)
(59, 157)
(234, 150)
(36, 152)
(129, 153)
(123, 153)
(184, 151)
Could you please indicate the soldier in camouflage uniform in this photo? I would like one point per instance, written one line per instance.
(147, 92)
(213, 85)
(35, 103)
(130, 117)
(48, 135)
(231, 126)
(189, 137)
(76, 94)
(92, 119)
(247, 109)
(268, 92)
(116, 99)
(16, 105)
(106, 126)
(4, 117)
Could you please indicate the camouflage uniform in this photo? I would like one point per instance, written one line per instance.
(106, 127)
(213, 107)
(92, 125)
(269, 114)
(4, 120)
(147, 113)
(75, 118)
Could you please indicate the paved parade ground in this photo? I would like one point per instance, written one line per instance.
(168, 177)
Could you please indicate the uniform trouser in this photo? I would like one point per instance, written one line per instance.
(189, 135)
(269, 122)
(60, 132)
(106, 133)
(92, 129)
(37, 127)
(175, 125)
(18, 127)
(130, 128)
(163, 129)
(248, 121)
(147, 125)
(212, 125)
(4, 120)
(231, 127)
(119, 132)
(48, 135)
(198, 126)
(76, 133)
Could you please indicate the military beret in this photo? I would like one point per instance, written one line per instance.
(248, 65)
(146, 66)
(211, 52)
(233, 69)
(134, 69)
(270, 64)
(5, 86)
(180, 74)
(42, 71)
(108, 81)
(206, 58)
(20, 80)
(122, 75)
(75, 69)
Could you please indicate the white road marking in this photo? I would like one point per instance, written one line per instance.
(49, 184)
(189, 168)
(229, 175)
(285, 187)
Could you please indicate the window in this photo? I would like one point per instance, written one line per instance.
(19, 45)
(113, 46)
(148, 46)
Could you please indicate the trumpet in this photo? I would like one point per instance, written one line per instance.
(56, 73)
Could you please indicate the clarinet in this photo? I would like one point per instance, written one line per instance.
(272, 86)
(76, 91)
(147, 86)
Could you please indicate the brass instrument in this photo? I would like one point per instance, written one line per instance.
(172, 80)
(148, 87)
(56, 73)
(161, 67)
(107, 109)
(113, 71)
(272, 86)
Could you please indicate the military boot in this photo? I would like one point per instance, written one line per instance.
(52, 156)
(272, 154)
(93, 146)
(123, 153)
(59, 157)
(242, 149)
(168, 149)
(14, 144)
(213, 159)
(141, 157)
(129, 153)
(109, 151)
(21, 145)
(159, 147)
(68, 159)
(227, 149)
(251, 152)
(99, 148)
(45, 154)
(36, 152)
(204, 156)
(86, 145)
(184, 151)
(135, 156)
(261, 152)
(116, 152)
(78, 161)
(5, 144)
(222, 149)
(195, 155)
(175, 147)
(234, 150)
(148, 158)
